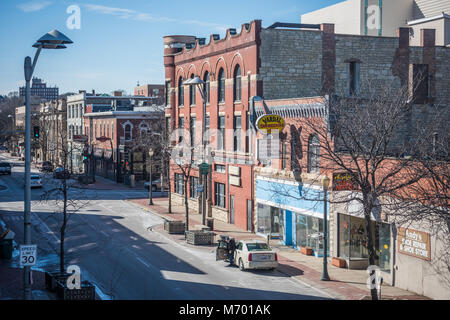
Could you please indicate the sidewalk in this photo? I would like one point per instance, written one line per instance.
(11, 280)
(344, 285)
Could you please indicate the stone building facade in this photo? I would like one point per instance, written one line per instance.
(53, 132)
(276, 63)
(122, 154)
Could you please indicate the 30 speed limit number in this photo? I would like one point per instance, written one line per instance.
(28, 254)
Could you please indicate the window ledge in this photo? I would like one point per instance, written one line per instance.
(220, 209)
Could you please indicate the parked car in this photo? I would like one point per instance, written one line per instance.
(255, 254)
(61, 173)
(46, 166)
(35, 181)
(5, 168)
(156, 185)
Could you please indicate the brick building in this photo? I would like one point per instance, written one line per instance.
(120, 155)
(297, 71)
(279, 63)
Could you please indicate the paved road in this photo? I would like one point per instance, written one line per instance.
(111, 241)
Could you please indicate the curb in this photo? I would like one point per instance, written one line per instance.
(149, 210)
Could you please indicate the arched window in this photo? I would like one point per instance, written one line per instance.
(180, 92)
(144, 129)
(206, 86)
(127, 130)
(237, 88)
(221, 88)
(192, 93)
(313, 154)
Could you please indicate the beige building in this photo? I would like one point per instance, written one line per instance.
(384, 17)
(53, 130)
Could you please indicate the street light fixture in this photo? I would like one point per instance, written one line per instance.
(325, 276)
(151, 152)
(52, 40)
(196, 81)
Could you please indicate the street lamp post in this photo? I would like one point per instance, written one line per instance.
(196, 81)
(52, 40)
(150, 187)
(325, 276)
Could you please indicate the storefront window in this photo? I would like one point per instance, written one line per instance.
(301, 227)
(264, 224)
(353, 240)
(384, 246)
(309, 233)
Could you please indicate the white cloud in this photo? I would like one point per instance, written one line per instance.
(142, 16)
(33, 5)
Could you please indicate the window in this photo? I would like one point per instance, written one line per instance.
(237, 133)
(193, 187)
(181, 127)
(221, 139)
(237, 88)
(179, 184)
(168, 127)
(192, 93)
(192, 130)
(207, 86)
(353, 78)
(127, 130)
(207, 127)
(313, 154)
(221, 89)
(167, 93)
(420, 86)
(284, 156)
(220, 168)
(180, 92)
(220, 195)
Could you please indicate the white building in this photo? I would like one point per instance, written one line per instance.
(384, 17)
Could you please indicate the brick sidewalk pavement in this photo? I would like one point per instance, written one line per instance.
(345, 285)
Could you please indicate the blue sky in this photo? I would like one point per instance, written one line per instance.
(120, 42)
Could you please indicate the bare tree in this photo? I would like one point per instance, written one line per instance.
(371, 139)
(66, 198)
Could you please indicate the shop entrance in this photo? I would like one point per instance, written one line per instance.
(353, 241)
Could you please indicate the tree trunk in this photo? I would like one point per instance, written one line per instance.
(186, 204)
(170, 188)
(368, 206)
(63, 230)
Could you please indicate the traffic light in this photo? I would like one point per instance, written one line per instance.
(36, 132)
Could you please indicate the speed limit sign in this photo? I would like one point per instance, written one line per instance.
(28, 254)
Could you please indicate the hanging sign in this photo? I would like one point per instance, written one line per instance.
(270, 123)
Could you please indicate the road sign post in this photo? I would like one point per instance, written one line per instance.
(28, 255)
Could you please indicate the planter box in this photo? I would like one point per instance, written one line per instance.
(175, 227)
(306, 251)
(338, 262)
(199, 238)
(86, 292)
(52, 279)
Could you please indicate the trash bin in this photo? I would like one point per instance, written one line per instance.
(6, 249)
(210, 223)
